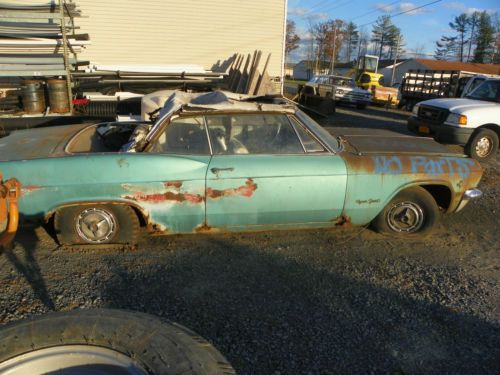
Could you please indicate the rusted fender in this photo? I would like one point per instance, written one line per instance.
(9, 212)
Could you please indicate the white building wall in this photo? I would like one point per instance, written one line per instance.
(401, 69)
(183, 32)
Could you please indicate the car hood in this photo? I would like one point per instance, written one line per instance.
(37, 143)
(453, 104)
(375, 141)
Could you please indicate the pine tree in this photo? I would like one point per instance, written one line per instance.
(381, 33)
(351, 39)
(445, 48)
(484, 40)
(473, 23)
(461, 26)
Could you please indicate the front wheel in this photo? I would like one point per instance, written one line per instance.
(483, 145)
(411, 212)
(106, 341)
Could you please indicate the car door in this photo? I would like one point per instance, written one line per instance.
(175, 200)
(261, 175)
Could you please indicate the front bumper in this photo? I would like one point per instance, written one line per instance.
(469, 195)
(440, 132)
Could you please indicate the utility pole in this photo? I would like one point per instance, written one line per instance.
(395, 60)
(332, 66)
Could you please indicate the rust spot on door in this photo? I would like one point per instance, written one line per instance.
(246, 190)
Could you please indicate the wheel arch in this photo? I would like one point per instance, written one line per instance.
(142, 215)
(441, 191)
(492, 126)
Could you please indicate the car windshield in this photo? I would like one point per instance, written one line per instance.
(319, 131)
(487, 91)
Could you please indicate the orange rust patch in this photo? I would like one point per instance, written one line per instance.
(176, 184)
(166, 197)
(342, 220)
(246, 190)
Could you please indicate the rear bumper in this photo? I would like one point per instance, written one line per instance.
(441, 132)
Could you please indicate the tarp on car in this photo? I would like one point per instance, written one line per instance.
(165, 103)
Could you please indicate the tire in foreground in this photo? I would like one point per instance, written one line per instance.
(105, 341)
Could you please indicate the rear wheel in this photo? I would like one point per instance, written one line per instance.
(411, 212)
(97, 225)
(483, 145)
(108, 342)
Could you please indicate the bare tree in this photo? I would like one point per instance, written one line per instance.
(292, 39)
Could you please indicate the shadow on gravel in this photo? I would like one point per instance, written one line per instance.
(27, 265)
(268, 314)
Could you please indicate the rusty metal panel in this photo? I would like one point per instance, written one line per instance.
(374, 180)
(249, 191)
(163, 187)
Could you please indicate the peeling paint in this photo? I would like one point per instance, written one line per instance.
(122, 162)
(367, 201)
(246, 190)
(25, 190)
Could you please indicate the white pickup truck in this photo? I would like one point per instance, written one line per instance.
(472, 121)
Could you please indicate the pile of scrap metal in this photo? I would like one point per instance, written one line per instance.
(9, 213)
(37, 44)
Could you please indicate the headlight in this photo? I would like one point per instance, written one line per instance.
(415, 109)
(455, 118)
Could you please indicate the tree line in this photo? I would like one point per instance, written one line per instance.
(338, 40)
(476, 38)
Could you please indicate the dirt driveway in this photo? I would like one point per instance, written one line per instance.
(296, 302)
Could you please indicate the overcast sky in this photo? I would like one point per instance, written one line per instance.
(420, 28)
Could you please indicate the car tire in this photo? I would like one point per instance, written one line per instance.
(483, 145)
(106, 341)
(105, 224)
(411, 212)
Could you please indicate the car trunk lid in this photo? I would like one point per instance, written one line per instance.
(37, 143)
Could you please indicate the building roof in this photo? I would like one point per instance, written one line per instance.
(457, 65)
(312, 63)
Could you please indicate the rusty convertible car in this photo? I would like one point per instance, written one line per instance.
(215, 162)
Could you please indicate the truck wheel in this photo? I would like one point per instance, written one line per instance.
(483, 145)
(97, 225)
(105, 341)
(411, 212)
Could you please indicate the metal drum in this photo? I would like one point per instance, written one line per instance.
(33, 96)
(58, 95)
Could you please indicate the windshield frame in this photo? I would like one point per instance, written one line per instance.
(481, 86)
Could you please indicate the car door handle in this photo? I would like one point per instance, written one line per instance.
(217, 170)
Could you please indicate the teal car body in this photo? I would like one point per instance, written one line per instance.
(181, 174)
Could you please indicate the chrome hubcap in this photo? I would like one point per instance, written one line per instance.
(72, 360)
(483, 147)
(95, 225)
(405, 217)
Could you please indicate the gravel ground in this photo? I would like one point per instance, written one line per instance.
(296, 302)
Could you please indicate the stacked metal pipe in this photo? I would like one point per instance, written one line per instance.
(31, 40)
